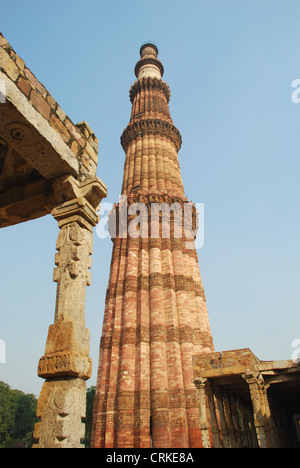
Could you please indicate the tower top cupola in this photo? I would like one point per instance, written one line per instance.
(149, 65)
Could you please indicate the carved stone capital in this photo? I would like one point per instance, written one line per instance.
(251, 377)
(77, 210)
(78, 201)
(200, 382)
(67, 188)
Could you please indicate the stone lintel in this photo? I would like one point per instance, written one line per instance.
(227, 371)
(219, 364)
(285, 376)
(265, 366)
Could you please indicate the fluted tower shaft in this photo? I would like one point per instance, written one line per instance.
(155, 317)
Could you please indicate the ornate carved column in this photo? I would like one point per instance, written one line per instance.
(259, 403)
(204, 423)
(66, 364)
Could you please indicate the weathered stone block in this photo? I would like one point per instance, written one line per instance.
(40, 104)
(57, 124)
(61, 407)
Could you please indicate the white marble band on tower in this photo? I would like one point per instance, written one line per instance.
(149, 65)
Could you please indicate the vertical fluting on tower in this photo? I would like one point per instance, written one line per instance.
(155, 317)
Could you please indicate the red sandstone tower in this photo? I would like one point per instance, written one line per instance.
(155, 317)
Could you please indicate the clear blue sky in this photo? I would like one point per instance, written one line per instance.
(230, 65)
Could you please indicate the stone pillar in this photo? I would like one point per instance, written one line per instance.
(204, 423)
(66, 364)
(235, 420)
(214, 420)
(246, 441)
(259, 403)
(219, 404)
(270, 431)
(229, 420)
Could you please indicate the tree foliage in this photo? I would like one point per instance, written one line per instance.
(17, 417)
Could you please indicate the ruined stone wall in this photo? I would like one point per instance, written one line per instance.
(79, 138)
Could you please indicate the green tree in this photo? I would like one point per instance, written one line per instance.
(17, 417)
(6, 420)
(25, 409)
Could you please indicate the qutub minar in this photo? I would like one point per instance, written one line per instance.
(155, 317)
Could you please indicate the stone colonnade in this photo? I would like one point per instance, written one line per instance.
(233, 420)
